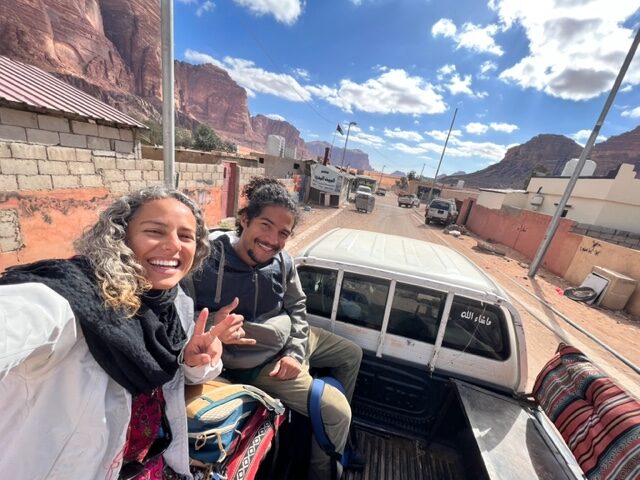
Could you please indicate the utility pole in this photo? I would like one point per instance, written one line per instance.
(345, 142)
(555, 221)
(423, 165)
(381, 172)
(435, 177)
(168, 107)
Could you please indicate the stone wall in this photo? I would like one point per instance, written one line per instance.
(611, 235)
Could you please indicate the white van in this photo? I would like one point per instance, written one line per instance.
(440, 389)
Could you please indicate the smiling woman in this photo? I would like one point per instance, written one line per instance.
(100, 346)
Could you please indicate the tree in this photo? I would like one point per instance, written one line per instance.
(205, 139)
(153, 136)
(402, 183)
(184, 138)
(412, 175)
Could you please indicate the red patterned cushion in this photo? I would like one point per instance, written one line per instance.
(598, 420)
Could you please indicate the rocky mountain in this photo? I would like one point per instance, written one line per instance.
(624, 148)
(355, 158)
(546, 153)
(111, 50)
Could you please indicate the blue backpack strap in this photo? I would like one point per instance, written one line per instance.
(315, 415)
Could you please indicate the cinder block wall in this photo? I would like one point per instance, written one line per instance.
(57, 174)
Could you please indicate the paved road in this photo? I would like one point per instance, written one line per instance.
(544, 328)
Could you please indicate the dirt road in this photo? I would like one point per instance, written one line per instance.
(544, 328)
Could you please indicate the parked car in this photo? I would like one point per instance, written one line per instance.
(445, 360)
(381, 191)
(442, 211)
(408, 200)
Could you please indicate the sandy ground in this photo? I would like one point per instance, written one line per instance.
(544, 328)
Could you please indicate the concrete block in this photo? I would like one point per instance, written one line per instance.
(201, 167)
(13, 166)
(97, 143)
(125, 164)
(137, 185)
(19, 118)
(57, 124)
(91, 181)
(108, 132)
(132, 175)
(44, 137)
(150, 175)
(105, 163)
(198, 176)
(126, 135)
(81, 168)
(8, 182)
(65, 181)
(104, 153)
(125, 147)
(158, 165)
(48, 167)
(635, 236)
(112, 176)
(34, 182)
(24, 150)
(144, 165)
(186, 175)
(5, 151)
(9, 244)
(83, 155)
(119, 187)
(61, 154)
(84, 128)
(73, 140)
(579, 231)
(10, 132)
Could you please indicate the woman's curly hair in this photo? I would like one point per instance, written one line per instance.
(122, 279)
(265, 192)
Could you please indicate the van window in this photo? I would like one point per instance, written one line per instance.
(362, 300)
(477, 328)
(319, 285)
(415, 312)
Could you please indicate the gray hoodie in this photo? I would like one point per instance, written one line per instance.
(271, 300)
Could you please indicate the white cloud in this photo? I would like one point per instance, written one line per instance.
(458, 85)
(503, 127)
(486, 68)
(189, 2)
(301, 73)
(633, 113)
(366, 139)
(476, 128)
(441, 135)
(284, 11)
(394, 91)
(206, 6)
(401, 147)
(581, 136)
(576, 48)
(446, 70)
(403, 135)
(275, 116)
(444, 27)
(255, 79)
(470, 36)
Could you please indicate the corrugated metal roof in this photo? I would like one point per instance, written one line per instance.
(31, 86)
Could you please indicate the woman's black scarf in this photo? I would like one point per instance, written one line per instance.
(140, 353)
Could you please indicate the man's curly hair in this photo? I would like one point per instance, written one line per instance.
(265, 192)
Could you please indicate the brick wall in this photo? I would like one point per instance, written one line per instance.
(611, 235)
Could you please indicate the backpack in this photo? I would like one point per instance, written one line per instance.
(218, 415)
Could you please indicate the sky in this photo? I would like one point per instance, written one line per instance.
(400, 69)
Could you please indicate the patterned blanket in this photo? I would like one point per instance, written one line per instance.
(598, 421)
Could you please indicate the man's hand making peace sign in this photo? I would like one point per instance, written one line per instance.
(205, 346)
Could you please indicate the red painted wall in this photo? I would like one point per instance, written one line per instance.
(523, 231)
(51, 220)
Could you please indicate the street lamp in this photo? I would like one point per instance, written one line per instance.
(381, 172)
(345, 142)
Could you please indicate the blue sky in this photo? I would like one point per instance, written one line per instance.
(399, 68)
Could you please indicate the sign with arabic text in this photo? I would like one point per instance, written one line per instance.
(326, 178)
